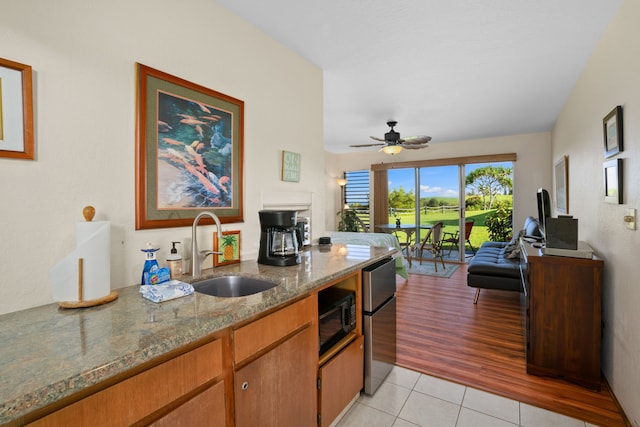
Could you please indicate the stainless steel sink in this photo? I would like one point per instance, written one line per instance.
(232, 286)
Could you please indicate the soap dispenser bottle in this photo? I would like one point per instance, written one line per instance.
(174, 261)
(150, 264)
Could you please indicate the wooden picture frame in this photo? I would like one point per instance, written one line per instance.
(290, 166)
(230, 248)
(189, 152)
(612, 129)
(16, 110)
(561, 172)
(613, 181)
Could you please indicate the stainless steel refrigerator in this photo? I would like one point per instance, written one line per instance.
(379, 320)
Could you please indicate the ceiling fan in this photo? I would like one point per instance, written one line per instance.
(393, 144)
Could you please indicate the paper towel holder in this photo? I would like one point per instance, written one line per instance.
(88, 212)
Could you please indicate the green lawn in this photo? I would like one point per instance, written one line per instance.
(479, 233)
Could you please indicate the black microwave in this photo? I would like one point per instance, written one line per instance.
(336, 315)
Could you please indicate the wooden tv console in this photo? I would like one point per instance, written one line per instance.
(563, 316)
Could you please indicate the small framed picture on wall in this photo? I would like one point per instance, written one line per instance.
(562, 185)
(613, 182)
(290, 166)
(229, 248)
(612, 129)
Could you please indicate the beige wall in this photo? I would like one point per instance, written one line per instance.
(531, 171)
(609, 79)
(83, 55)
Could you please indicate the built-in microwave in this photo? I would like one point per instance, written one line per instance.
(336, 315)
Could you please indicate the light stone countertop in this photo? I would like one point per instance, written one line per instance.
(48, 353)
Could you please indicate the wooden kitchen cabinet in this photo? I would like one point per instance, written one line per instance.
(341, 368)
(563, 328)
(206, 409)
(340, 380)
(275, 364)
(148, 395)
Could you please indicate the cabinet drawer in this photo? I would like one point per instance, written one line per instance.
(341, 379)
(258, 335)
(134, 398)
(206, 410)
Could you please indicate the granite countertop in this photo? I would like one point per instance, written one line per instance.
(49, 353)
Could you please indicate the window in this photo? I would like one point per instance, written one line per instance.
(357, 193)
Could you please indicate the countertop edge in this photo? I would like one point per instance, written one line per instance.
(13, 410)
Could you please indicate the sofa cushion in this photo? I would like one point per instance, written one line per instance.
(491, 260)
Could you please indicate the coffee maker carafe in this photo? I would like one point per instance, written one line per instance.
(278, 238)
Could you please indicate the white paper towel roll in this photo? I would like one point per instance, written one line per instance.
(93, 245)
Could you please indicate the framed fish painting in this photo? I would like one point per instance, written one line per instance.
(189, 152)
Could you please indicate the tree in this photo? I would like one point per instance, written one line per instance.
(488, 182)
(401, 199)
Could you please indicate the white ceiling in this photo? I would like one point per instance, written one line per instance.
(451, 69)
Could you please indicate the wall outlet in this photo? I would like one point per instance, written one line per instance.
(630, 220)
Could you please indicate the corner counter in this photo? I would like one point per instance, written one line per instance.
(49, 353)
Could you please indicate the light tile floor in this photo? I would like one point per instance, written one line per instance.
(410, 399)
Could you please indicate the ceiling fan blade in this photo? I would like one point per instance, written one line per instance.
(377, 139)
(415, 146)
(420, 139)
(366, 145)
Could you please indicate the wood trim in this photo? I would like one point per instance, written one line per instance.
(506, 157)
(25, 71)
(380, 198)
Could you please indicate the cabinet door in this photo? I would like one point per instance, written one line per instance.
(206, 409)
(279, 388)
(565, 319)
(341, 379)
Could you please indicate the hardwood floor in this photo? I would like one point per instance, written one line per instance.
(442, 333)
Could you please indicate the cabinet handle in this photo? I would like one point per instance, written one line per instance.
(245, 385)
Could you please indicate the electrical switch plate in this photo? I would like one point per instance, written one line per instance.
(630, 219)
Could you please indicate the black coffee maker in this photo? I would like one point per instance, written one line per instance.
(279, 240)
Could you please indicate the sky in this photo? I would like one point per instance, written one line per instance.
(436, 181)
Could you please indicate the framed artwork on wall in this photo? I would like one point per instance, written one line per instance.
(290, 166)
(613, 181)
(229, 246)
(612, 129)
(561, 172)
(16, 110)
(189, 152)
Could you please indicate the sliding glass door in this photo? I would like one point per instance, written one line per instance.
(440, 201)
(463, 196)
(421, 197)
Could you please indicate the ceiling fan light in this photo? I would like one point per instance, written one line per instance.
(392, 149)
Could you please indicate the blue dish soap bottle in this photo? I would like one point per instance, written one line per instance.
(150, 264)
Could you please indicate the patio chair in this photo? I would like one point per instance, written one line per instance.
(434, 246)
(455, 237)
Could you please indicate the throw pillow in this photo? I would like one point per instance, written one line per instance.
(515, 253)
(513, 243)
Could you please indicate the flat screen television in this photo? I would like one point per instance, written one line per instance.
(544, 210)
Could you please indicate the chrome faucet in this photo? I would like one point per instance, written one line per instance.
(198, 257)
